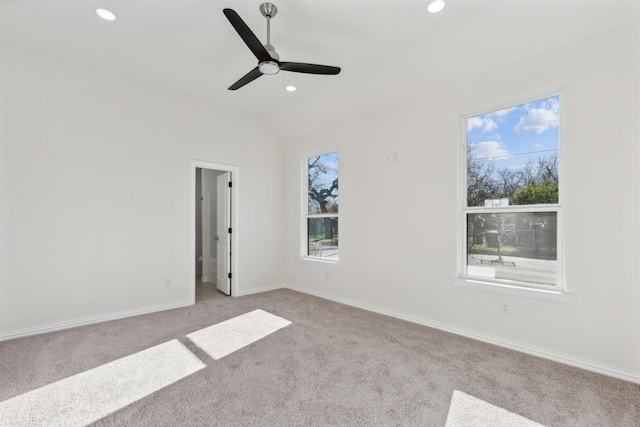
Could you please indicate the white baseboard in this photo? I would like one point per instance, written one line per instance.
(43, 329)
(259, 290)
(535, 351)
(512, 345)
(89, 321)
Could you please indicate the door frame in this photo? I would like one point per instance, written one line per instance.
(235, 224)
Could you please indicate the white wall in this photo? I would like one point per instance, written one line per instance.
(398, 222)
(96, 198)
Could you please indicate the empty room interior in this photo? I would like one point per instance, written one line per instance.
(173, 251)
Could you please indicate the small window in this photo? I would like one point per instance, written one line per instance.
(511, 210)
(321, 212)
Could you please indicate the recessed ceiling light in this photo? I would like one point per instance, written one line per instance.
(291, 88)
(106, 14)
(436, 6)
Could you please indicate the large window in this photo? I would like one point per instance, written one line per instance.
(321, 206)
(511, 208)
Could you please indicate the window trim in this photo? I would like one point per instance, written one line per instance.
(304, 209)
(556, 293)
(477, 284)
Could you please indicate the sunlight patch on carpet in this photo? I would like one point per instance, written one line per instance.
(226, 337)
(469, 411)
(88, 396)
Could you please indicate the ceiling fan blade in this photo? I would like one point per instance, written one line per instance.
(247, 35)
(298, 67)
(248, 78)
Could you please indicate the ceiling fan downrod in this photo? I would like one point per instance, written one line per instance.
(269, 11)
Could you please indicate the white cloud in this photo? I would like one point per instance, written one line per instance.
(474, 122)
(489, 125)
(552, 104)
(489, 150)
(539, 119)
(504, 112)
(486, 124)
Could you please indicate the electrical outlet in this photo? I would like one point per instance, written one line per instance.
(392, 158)
(167, 283)
(505, 308)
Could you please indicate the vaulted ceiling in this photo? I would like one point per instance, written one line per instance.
(389, 50)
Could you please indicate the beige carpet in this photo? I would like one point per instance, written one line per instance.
(226, 337)
(334, 365)
(88, 396)
(468, 411)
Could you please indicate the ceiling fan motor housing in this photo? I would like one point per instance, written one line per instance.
(272, 51)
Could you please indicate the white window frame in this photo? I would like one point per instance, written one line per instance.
(304, 212)
(558, 292)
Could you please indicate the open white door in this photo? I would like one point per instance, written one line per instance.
(223, 237)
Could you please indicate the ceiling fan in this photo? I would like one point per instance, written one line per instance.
(268, 60)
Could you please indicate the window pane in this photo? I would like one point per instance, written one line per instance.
(323, 183)
(322, 237)
(513, 246)
(512, 155)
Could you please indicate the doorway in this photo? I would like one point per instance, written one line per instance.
(213, 234)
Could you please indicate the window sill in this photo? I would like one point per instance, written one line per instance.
(465, 282)
(320, 262)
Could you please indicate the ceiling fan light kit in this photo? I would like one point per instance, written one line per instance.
(269, 67)
(268, 59)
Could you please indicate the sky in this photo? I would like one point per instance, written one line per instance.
(512, 136)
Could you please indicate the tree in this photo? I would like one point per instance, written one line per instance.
(540, 169)
(480, 183)
(532, 183)
(322, 192)
(548, 168)
(545, 192)
(506, 182)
